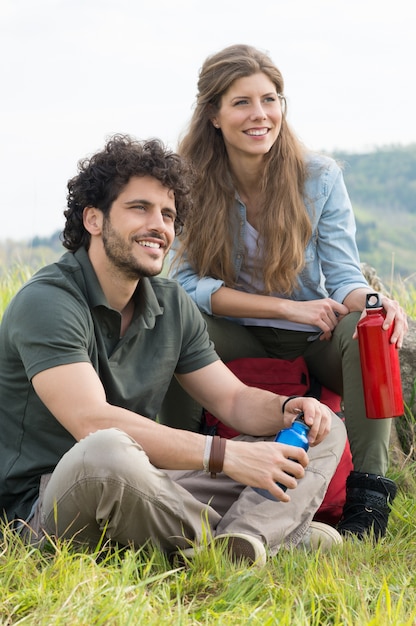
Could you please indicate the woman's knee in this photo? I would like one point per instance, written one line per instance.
(346, 328)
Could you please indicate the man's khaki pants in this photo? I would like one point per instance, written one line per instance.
(106, 488)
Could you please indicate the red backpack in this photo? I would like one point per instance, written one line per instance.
(291, 378)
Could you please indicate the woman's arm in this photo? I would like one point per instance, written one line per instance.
(322, 313)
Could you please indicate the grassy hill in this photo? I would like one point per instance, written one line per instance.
(387, 241)
(382, 187)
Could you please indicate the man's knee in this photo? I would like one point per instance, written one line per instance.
(338, 435)
(108, 452)
(103, 442)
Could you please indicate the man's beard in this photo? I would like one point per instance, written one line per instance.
(119, 254)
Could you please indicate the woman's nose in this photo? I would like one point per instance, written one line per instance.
(258, 111)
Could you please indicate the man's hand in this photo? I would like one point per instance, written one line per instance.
(315, 415)
(262, 464)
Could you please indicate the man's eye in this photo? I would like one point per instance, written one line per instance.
(169, 216)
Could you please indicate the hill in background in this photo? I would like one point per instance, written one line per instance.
(33, 253)
(382, 187)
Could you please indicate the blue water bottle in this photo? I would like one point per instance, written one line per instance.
(296, 435)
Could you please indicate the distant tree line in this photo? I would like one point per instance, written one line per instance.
(385, 178)
(53, 241)
(382, 187)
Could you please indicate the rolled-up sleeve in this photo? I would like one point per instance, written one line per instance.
(200, 289)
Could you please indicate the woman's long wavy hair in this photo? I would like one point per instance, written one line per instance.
(285, 227)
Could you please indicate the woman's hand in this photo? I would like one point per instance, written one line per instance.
(394, 314)
(324, 313)
(356, 301)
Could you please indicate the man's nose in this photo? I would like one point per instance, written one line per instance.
(156, 220)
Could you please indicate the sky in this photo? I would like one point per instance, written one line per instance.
(74, 72)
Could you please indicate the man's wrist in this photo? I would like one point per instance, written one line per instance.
(207, 453)
(216, 457)
(288, 400)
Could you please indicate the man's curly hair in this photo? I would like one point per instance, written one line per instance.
(103, 176)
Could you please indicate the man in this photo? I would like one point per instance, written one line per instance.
(87, 350)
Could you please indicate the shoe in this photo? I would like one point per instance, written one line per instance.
(367, 507)
(321, 536)
(238, 546)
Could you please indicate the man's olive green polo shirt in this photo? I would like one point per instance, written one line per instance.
(61, 316)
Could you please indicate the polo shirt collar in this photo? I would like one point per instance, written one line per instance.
(146, 303)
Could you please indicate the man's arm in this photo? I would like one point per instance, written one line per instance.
(75, 396)
(250, 410)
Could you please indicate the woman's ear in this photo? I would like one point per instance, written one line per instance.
(92, 220)
(215, 122)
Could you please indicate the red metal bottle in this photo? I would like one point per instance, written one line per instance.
(380, 366)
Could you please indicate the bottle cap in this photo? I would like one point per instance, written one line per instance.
(373, 301)
(299, 419)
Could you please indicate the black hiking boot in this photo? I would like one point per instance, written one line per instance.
(367, 506)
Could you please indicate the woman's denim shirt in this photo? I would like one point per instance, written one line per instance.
(332, 264)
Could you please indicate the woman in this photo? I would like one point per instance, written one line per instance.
(269, 256)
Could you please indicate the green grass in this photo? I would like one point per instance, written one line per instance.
(10, 281)
(358, 584)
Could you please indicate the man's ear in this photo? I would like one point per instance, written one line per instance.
(93, 220)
